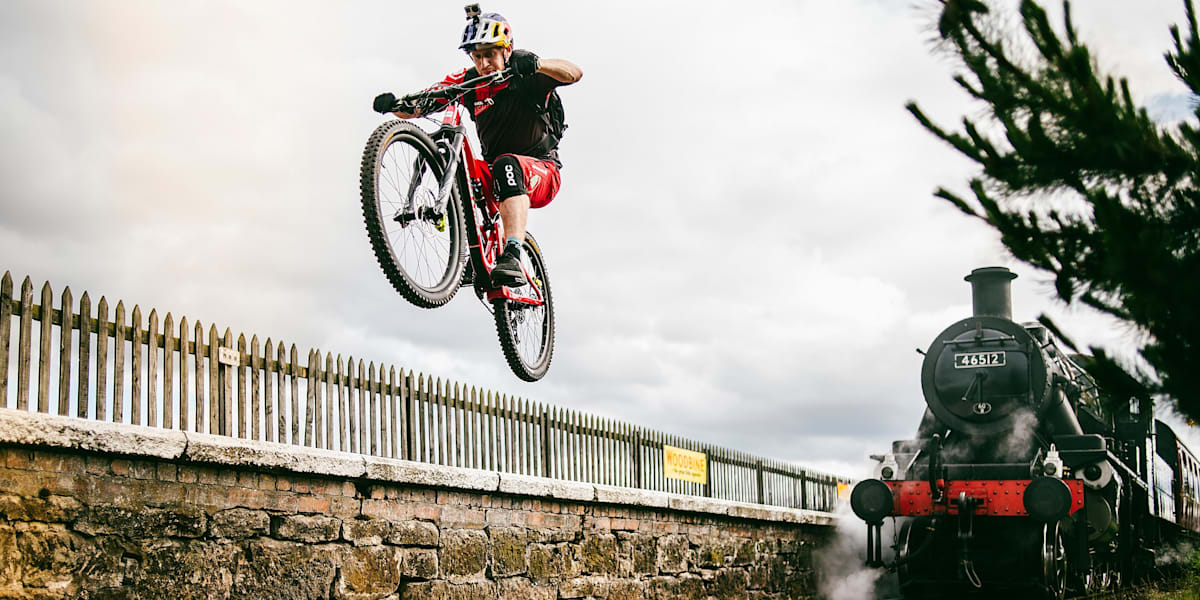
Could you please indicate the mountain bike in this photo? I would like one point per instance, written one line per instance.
(434, 222)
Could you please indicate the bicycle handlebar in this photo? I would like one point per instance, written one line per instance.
(387, 102)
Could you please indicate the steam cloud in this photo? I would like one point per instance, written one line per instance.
(842, 573)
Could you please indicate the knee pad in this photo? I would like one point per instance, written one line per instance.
(508, 177)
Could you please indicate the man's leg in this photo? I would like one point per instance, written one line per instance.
(509, 178)
(522, 183)
(514, 213)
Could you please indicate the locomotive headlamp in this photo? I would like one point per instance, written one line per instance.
(871, 500)
(1047, 499)
(887, 472)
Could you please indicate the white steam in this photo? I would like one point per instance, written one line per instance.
(841, 568)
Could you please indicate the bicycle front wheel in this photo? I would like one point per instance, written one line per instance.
(418, 244)
(526, 331)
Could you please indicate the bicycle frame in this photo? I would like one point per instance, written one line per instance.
(481, 209)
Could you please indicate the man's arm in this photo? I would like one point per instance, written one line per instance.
(560, 70)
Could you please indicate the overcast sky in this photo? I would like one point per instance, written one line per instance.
(745, 250)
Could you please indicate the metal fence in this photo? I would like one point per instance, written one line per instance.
(113, 366)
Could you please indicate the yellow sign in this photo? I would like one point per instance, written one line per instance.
(685, 464)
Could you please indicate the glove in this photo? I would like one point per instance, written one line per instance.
(524, 62)
(384, 102)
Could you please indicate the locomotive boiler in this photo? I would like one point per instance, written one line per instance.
(1023, 475)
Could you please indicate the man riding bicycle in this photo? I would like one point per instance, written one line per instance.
(510, 119)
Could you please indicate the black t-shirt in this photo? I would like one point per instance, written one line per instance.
(507, 116)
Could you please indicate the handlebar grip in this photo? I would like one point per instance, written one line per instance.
(384, 103)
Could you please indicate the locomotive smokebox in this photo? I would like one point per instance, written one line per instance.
(991, 292)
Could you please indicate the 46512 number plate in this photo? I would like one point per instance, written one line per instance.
(971, 360)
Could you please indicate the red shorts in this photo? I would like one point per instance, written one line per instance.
(541, 178)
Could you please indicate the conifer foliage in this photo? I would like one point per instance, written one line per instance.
(1080, 182)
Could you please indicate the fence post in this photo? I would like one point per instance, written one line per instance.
(410, 423)
(637, 458)
(707, 473)
(803, 489)
(759, 471)
(547, 447)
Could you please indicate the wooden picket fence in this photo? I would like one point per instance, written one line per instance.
(179, 375)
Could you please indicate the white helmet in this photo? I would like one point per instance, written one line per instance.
(489, 29)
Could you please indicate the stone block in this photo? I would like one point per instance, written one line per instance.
(683, 587)
(745, 553)
(715, 552)
(463, 554)
(584, 587)
(624, 589)
(367, 573)
(402, 471)
(698, 504)
(178, 521)
(413, 533)
(418, 563)
(49, 555)
(550, 563)
(640, 551)
(307, 529)
(239, 523)
(365, 532)
(10, 561)
(18, 427)
(441, 590)
(541, 487)
(284, 570)
(673, 554)
(170, 569)
(598, 553)
(508, 546)
(729, 584)
(519, 588)
(606, 494)
(253, 454)
(51, 509)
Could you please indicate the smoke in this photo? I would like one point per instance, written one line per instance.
(1179, 555)
(841, 568)
(1015, 446)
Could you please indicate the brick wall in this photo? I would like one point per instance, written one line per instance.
(77, 523)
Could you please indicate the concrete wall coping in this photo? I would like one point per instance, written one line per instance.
(23, 428)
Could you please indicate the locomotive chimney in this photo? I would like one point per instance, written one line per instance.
(991, 291)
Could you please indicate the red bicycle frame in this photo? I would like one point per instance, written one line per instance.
(481, 212)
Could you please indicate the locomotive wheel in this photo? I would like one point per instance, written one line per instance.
(919, 576)
(1054, 562)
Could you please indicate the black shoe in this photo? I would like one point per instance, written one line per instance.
(508, 269)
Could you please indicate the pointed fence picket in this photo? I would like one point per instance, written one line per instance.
(178, 374)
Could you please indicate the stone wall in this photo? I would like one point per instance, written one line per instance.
(93, 510)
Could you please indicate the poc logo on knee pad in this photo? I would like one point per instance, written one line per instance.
(509, 178)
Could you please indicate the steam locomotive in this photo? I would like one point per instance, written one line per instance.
(1024, 476)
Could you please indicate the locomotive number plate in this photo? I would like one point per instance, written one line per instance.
(970, 360)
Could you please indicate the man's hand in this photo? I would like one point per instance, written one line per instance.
(524, 62)
(385, 103)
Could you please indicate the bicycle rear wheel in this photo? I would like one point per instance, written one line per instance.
(420, 248)
(527, 332)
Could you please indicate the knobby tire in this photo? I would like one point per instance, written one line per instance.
(527, 349)
(377, 215)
